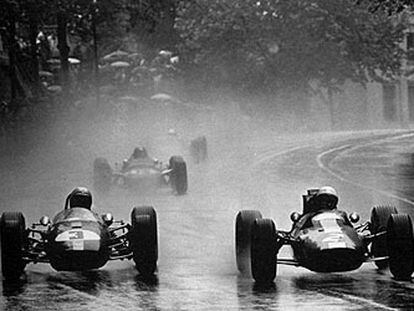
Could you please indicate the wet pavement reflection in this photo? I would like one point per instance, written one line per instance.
(197, 269)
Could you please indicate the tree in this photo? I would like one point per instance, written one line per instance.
(289, 45)
(389, 6)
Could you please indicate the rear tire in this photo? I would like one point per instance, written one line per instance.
(178, 175)
(400, 243)
(263, 251)
(244, 223)
(13, 240)
(144, 239)
(379, 220)
(102, 174)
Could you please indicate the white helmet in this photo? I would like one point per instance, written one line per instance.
(327, 197)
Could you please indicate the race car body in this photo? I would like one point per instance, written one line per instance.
(78, 239)
(143, 173)
(325, 240)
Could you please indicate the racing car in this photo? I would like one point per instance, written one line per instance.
(198, 149)
(325, 240)
(78, 239)
(141, 172)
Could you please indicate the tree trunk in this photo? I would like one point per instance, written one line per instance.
(331, 108)
(33, 32)
(11, 46)
(95, 56)
(63, 49)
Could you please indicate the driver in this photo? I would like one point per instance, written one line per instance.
(139, 153)
(325, 199)
(80, 197)
(139, 156)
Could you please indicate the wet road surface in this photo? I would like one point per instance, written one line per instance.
(197, 268)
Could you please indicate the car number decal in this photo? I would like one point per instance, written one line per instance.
(78, 245)
(75, 235)
(337, 245)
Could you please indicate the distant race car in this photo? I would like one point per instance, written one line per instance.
(78, 239)
(325, 241)
(198, 149)
(142, 172)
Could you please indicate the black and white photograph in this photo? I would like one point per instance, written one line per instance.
(206, 155)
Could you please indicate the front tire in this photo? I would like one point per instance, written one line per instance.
(13, 239)
(144, 239)
(400, 243)
(178, 175)
(263, 251)
(379, 220)
(244, 223)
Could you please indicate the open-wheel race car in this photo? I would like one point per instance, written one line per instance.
(78, 239)
(198, 149)
(141, 172)
(325, 239)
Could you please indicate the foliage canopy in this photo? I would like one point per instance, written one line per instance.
(288, 43)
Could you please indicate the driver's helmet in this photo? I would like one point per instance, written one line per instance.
(139, 152)
(326, 198)
(80, 197)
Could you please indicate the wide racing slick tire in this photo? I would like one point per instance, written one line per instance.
(263, 251)
(13, 240)
(102, 174)
(244, 223)
(144, 239)
(178, 175)
(400, 243)
(379, 220)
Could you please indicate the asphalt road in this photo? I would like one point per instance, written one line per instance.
(245, 170)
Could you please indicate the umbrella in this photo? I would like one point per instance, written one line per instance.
(174, 60)
(46, 74)
(162, 97)
(115, 54)
(135, 55)
(120, 64)
(53, 61)
(54, 88)
(56, 61)
(73, 61)
(165, 53)
(129, 99)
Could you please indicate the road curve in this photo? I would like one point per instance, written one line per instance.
(197, 265)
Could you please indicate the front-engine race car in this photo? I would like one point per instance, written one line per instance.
(325, 239)
(78, 239)
(141, 172)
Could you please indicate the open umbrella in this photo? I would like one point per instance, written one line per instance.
(165, 53)
(115, 54)
(54, 88)
(45, 74)
(162, 97)
(120, 64)
(73, 61)
(53, 61)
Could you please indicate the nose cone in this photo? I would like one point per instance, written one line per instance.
(82, 247)
(333, 252)
(335, 260)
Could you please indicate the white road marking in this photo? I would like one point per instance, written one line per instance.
(347, 149)
(269, 154)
